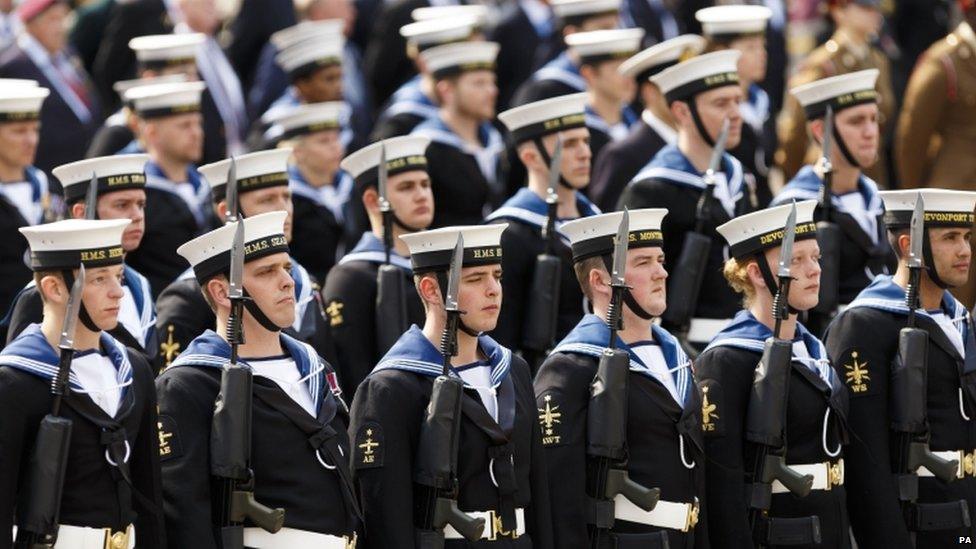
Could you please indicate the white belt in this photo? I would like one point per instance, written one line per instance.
(826, 475)
(967, 463)
(666, 514)
(704, 330)
(291, 538)
(493, 526)
(80, 537)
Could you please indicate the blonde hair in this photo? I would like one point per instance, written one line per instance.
(737, 274)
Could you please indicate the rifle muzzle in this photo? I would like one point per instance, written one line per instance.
(919, 455)
(244, 506)
(776, 469)
(446, 512)
(619, 482)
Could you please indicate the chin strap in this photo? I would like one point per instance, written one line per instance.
(83, 316)
(629, 300)
(442, 281)
(548, 160)
(693, 107)
(258, 314)
(399, 223)
(843, 148)
(930, 267)
(771, 284)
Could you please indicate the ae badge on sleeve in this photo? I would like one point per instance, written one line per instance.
(369, 446)
(169, 439)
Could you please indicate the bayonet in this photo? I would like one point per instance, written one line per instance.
(715, 163)
(786, 250)
(237, 263)
(67, 340)
(454, 276)
(384, 203)
(233, 212)
(620, 245)
(917, 233)
(91, 198)
(825, 164)
(555, 169)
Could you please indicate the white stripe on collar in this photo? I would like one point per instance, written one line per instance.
(660, 127)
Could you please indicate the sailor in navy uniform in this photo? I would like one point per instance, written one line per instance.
(608, 92)
(535, 128)
(111, 493)
(816, 405)
(24, 193)
(501, 473)
(176, 195)
(856, 205)
(298, 422)
(262, 186)
(118, 134)
(464, 159)
(620, 161)
(743, 28)
(702, 92)
(664, 433)
(121, 195)
(863, 344)
(320, 190)
(415, 101)
(351, 289)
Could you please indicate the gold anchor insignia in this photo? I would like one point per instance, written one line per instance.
(548, 418)
(170, 348)
(708, 412)
(857, 374)
(367, 447)
(335, 313)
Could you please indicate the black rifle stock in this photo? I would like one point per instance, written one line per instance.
(828, 233)
(391, 307)
(542, 311)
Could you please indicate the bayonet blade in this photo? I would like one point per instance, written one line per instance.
(719, 151)
(786, 249)
(454, 275)
(620, 244)
(237, 263)
(67, 340)
(828, 139)
(233, 202)
(917, 233)
(555, 168)
(91, 198)
(381, 184)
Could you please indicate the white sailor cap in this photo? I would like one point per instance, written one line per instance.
(604, 45)
(18, 82)
(21, 103)
(575, 11)
(756, 232)
(477, 11)
(304, 58)
(403, 154)
(307, 30)
(594, 235)
(123, 86)
(545, 117)
(698, 74)
(158, 51)
(309, 118)
(840, 92)
(658, 57)
(731, 21)
(113, 173)
(431, 251)
(449, 60)
(209, 254)
(159, 100)
(943, 208)
(69, 243)
(435, 32)
(254, 171)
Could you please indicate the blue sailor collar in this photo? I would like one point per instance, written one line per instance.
(527, 207)
(562, 69)
(156, 179)
(304, 292)
(30, 352)
(370, 248)
(492, 145)
(595, 121)
(746, 332)
(671, 165)
(883, 294)
(209, 350)
(755, 110)
(411, 99)
(806, 185)
(142, 297)
(413, 352)
(334, 196)
(590, 337)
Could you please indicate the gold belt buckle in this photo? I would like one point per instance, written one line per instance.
(692, 520)
(967, 463)
(835, 475)
(116, 540)
(496, 528)
(351, 541)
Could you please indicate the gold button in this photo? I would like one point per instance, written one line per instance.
(120, 540)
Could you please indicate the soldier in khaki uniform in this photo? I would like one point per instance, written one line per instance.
(848, 50)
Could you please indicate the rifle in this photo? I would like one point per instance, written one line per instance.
(766, 413)
(828, 233)
(49, 460)
(440, 435)
(695, 250)
(391, 305)
(606, 420)
(539, 329)
(909, 380)
(230, 437)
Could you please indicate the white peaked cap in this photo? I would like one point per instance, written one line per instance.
(97, 241)
(615, 42)
(165, 96)
(733, 19)
(845, 90)
(5, 82)
(439, 31)
(21, 102)
(319, 51)
(478, 11)
(167, 47)
(404, 146)
(570, 8)
(460, 56)
(663, 53)
(753, 232)
(253, 170)
(594, 235)
(118, 172)
(545, 117)
(267, 229)
(311, 117)
(700, 70)
(432, 250)
(307, 30)
(123, 86)
(943, 207)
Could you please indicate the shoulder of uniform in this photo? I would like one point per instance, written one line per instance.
(724, 358)
(561, 367)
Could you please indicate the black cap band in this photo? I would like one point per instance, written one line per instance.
(603, 245)
(762, 242)
(306, 129)
(841, 102)
(253, 183)
(370, 177)
(901, 219)
(646, 74)
(440, 260)
(454, 70)
(598, 58)
(161, 112)
(695, 87)
(546, 127)
(577, 20)
(70, 259)
(255, 249)
(29, 116)
(307, 69)
(162, 64)
(106, 184)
